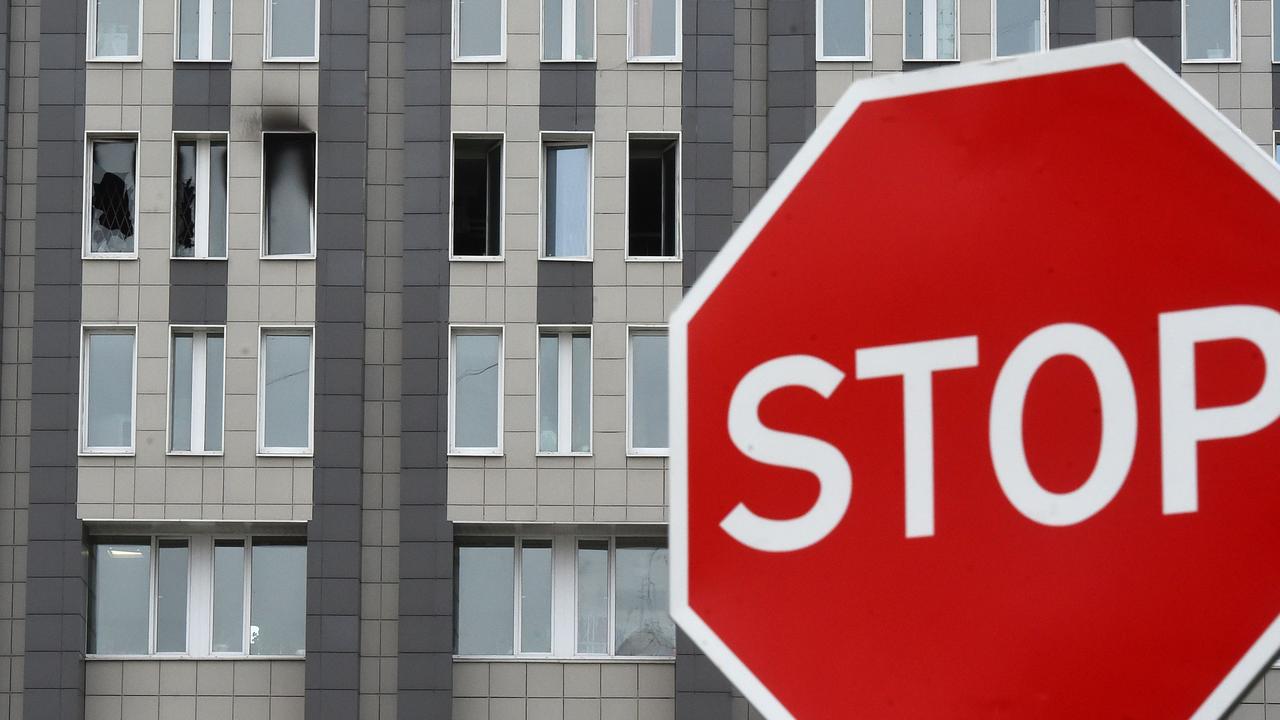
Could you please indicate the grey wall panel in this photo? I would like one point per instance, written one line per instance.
(567, 99)
(57, 579)
(792, 89)
(201, 97)
(565, 293)
(1158, 24)
(426, 537)
(198, 292)
(1072, 22)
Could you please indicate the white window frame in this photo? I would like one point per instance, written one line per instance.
(202, 192)
(1275, 151)
(287, 329)
(645, 329)
(501, 57)
(548, 138)
(205, 54)
(199, 353)
(501, 137)
(564, 388)
(568, 19)
(1044, 29)
(262, 195)
(929, 39)
(117, 329)
(632, 57)
(86, 205)
(866, 33)
(267, 57)
(199, 595)
(1235, 37)
(679, 209)
(1275, 36)
(477, 329)
(564, 587)
(91, 38)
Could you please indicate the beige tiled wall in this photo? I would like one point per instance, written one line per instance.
(194, 690)
(572, 691)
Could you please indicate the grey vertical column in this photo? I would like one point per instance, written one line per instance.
(566, 103)
(333, 536)
(702, 692)
(792, 90)
(1158, 24)
(57, 565)
(426, 536)
(4, 133)
(1072, 22)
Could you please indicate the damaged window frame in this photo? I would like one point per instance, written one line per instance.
(203, 183)
(91, 37)
(677, 201)
(265, 245)
(87, 212)
(500, 141)
(267, 53)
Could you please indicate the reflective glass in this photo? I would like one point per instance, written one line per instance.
(117, 28)
(287, 390)
(580, 393)
(535, 596)
(293, 28)
(217, 199)
(641, 623)
(109, 390)
(476, 390)
(1210, 28)
(180, 392)
(479, 28)
(214, 359)
(228, 596)
(844, 28)
(120, 624)
(1017, 27)
(484, 596)
(548, 392)
(188, 29)
(111, 212)
(593, 596)
(171, 596)
(649, 390)
(278, 597)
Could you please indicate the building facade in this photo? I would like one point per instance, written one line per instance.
(333, 364)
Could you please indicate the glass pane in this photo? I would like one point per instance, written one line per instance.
(581, 393)
(479, 28)
(117, 25)
(221, 29)
(188, 29)
(180, 393)
(109, 390)
(113, 196)
(217, 199)
(228, 596)
(484, 596)
(289, 163)
(653, 27)
(293, 28)
(548, 393)
(641, 623)
(278, 597)
(567, 201)
(119, 598)
(1017, 26)
(476, 391)
(649, 391)
(184, 199)
(171, 596)
(593, 596)
(946, 29)
(213, 379)
(585, 31)
(1209, 29)
(844, 28)
(913, 39)
(287, 391)
(553, 29)
(535, 596)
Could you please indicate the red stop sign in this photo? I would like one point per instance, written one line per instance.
(975, 414)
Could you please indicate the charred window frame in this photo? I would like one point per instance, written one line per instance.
(653, 197)
(200, 196)
(111, 202)
(288, 194)
(478, 194)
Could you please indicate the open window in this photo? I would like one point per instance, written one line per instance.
(111, 205)
(293, 30)
(204, 30)
(566, 198)
(477, 197)
(653, 197)
(115, 30)
(647, 392)
(929, 29)
(289, 194)
(200, 197)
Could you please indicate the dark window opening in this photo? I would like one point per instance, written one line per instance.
(477, 196)
(113, 193)
(184, 211)
(652, 218)
(289, 167)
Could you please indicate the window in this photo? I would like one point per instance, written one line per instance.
(198, 595)
(568, 29)
(1210, 30)
(564, 391)
(566, 200)
(111, 215)
(285, 391)
(200, 197)
(204, 30)
(647, 392)
(1275, 34)
(477, 197)
(480, 30)
(844, 29)
(653, 30)
(115, 29)
(289, 194)
(1275, 146)
(653, 197)
(108, 369)
(562, 596)
(475, 393)
(293, 30)
(195, 391)
(1020, 26)
(929, 30)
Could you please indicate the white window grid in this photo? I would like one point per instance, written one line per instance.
(820, 40)
(203, 170)
(263, 332)
(633, 331)
(86, 252)
(267, 54)
(552, 139)
(679, 208)
(564, 387)
(568, 33)
(205, 52)
(107, 328)
(262, 193)
(91, 38)
(454, 332)
(199, 400)
(929, 36)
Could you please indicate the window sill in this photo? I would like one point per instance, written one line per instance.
(121, 59)
(653, 258)
(265, 452)
(577, 660)
(1214, 61)
(190, 453)
(311, 256)
(840, 59)
(199, 61)
(931, 60)
(109, 256)
(192, 258)
(567, 60)
(541, 453)
(110, 452)
(649, 453)
(654, 61)
(477, 258)
(492, 59)
(551, 258)
(90, 657)
(475, 453)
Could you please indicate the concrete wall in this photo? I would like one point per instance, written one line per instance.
(574, 691)
(193, 690)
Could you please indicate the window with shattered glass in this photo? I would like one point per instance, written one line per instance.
(112, 212)
(200, 197)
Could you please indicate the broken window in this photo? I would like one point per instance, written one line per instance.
(289, 176)
(477, 197)
(112, 198)
(653, 219)
(204, 30)
(566, 203)
(115, 28)
(200, 198)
